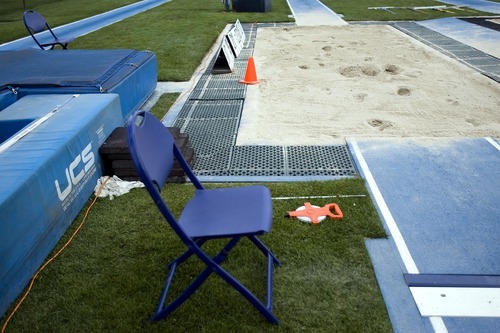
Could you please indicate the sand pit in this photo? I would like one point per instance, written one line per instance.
(320, 85)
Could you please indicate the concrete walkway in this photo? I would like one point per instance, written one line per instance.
(313, 12)
(481, 38)
(482, 5)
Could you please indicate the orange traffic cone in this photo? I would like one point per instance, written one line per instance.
(251, 74)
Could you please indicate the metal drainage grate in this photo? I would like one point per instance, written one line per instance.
(254, 158)
(210, 126)
(204, 145)
(219, 87)
(211, 117)
(210, 109)
(478, 60)
(276, 161)
(218, 158)
(320, 161)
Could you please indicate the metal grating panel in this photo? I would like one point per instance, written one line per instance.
(208, 109)
(219, 88)
(245, 54)
(217, 159)
(321, 159)
(210, 126)
(465, 53)
(257, 158)
(478, 60)
(440, 40)
(205, 145)
(251, 172)
(211, 117)
(326, 173)
(484, 61)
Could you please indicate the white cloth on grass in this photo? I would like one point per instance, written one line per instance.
(114, 187)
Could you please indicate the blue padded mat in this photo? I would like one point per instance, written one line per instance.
(7, 97)
(130, 74)
(85, 68)
(47, 175)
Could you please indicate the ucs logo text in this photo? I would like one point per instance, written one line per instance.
(83, 162)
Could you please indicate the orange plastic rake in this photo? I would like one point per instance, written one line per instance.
(315, 214)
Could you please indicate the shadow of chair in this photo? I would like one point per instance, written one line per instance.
(35, 23)
(230, 213)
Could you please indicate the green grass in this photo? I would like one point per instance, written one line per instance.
(111, 275)
(360, 12)
(56, 12)
(163, 104)
(181, 32)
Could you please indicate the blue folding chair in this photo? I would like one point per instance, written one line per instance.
(228, 213)
(35, 23)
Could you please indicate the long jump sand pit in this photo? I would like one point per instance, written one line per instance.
(322, 84)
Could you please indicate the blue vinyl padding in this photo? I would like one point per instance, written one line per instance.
(443, 195)
(47, 176)
(130, 74)
(401, 307)
(7, 97)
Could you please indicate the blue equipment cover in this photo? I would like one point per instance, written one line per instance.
(131, 74)
(7, 97)
(47, 175)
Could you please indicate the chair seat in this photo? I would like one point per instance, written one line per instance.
(65, 40)
(60, 40)
(228, 212)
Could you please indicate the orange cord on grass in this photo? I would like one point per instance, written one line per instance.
(4, 327)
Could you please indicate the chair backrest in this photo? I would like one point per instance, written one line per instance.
(151, 146)
(153, 150)
(34, 22)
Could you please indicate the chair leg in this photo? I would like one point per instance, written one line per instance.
(163, 311)
(183, 257)
(213, 265)
(271, 259)
(265, 310)
(264, 249)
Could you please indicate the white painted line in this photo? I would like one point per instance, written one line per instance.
(322, 197)
(405, 254)
(438, 325)
(457, 302)
(493, 143)
(436, 322)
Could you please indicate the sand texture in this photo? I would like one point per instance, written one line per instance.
(322, 84)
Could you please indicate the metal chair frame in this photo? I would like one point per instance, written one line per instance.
(35, 23)
(152, 149)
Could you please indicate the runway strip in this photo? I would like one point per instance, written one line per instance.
(438, 199)
(85, 26)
